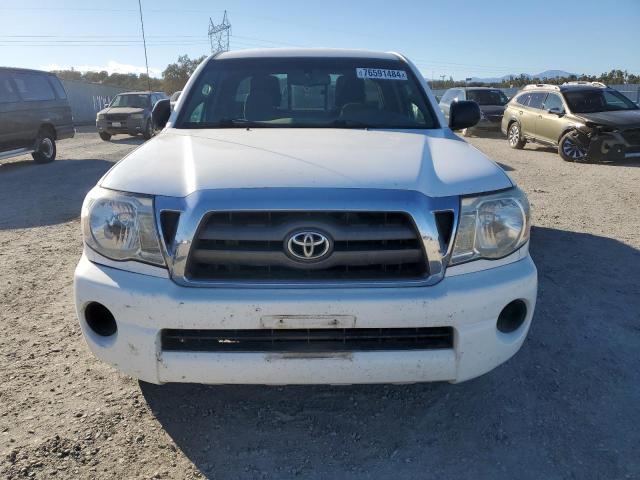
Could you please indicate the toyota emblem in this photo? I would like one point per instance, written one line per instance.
(308, 245)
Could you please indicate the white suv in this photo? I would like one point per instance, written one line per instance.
(306, 216)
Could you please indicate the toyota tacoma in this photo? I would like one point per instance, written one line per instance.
(306, 216)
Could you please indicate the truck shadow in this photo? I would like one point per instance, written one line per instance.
(563, 394)
(34, 195)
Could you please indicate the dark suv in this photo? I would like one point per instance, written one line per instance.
(34, 113)
(490, 100)
(128, 113)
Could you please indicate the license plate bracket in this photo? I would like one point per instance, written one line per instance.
(307, 321)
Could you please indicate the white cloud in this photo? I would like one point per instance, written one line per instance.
(112, 67)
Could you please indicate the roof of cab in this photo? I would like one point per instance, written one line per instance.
(306, 52)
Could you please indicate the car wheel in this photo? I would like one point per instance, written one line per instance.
(570, 150)
(105, 136)
(148, 130)
(45, 147)
(514, 137)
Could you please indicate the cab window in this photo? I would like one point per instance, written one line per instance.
(7, 92)
(448, 96)
(33, 87)
(523, 99)
(537, 99)
(57, 86)
(553, 102)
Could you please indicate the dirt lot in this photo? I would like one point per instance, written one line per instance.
(567, 406)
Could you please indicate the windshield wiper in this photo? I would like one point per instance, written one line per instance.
(223, 123)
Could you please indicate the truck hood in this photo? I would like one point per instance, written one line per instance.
(618, 119)
(179, 162)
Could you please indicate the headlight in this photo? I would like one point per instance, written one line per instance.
(137, 116)
(121, 226)
(491, 226)
(100, 116)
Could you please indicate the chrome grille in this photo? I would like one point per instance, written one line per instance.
(251, 246)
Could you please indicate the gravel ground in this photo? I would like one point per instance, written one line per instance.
(567, 406)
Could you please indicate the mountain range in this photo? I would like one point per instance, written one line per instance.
(542, 75)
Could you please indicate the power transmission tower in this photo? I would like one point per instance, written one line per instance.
(219, 35)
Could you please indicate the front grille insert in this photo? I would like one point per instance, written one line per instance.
(251, 246)
(307, 340)
(118, 117)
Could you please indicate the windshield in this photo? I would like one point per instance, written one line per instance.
(131, 100)
(591, 101)
(306, 92)
(487, 97)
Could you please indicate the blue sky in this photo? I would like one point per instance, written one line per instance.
(462, 38)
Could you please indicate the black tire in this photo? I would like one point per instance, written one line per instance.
(514, 136)
(45, 147)
(148, 130)
(105, 136)
(570, 150)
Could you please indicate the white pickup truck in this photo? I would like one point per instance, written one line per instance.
(306, 216)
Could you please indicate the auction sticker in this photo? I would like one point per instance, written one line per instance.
(381, 73)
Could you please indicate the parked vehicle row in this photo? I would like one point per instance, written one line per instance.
(34, 114)
(586, 121)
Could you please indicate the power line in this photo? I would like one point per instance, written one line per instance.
(89, 9)
(144, 42)
(97, 36)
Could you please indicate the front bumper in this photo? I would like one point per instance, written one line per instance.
(144, 305)
(128, 127)
(607, 146)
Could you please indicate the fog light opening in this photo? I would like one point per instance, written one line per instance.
(100, 319)
(512, 316)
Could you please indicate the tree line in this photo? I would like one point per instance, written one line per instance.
(613, 77)
(176, 75)
(173, 77)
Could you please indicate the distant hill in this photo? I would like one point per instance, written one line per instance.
(542, 75)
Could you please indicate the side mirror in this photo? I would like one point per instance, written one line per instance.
(161, 113)
(556, 111)
(463, 114)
